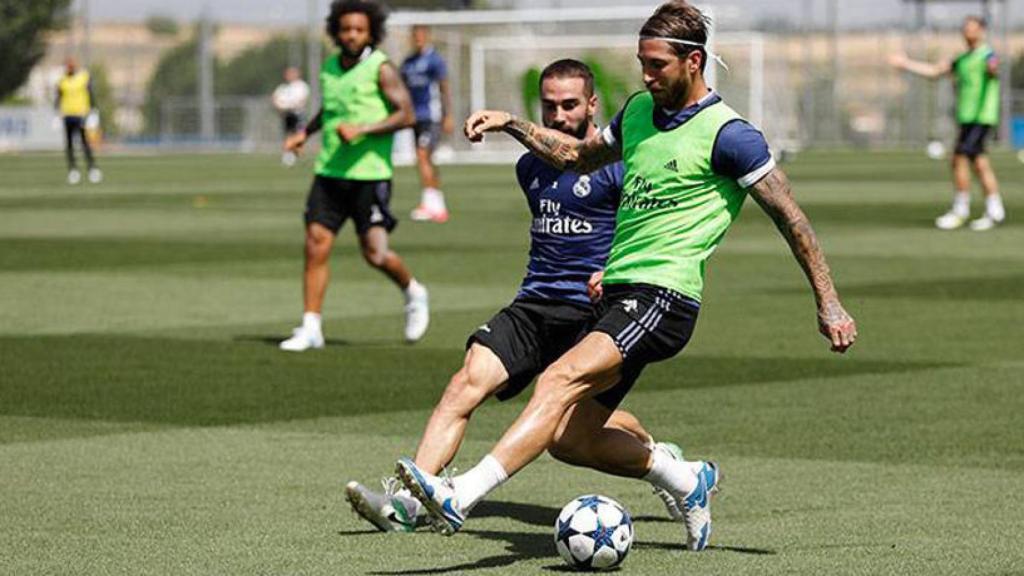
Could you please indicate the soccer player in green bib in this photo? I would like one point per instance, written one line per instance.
(690, 161)
(976, 75)
(364, 104)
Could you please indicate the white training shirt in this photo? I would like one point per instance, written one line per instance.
(291, 97)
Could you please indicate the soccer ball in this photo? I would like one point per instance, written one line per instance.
(593, 533)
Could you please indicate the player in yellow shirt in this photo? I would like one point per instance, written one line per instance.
(75, 101)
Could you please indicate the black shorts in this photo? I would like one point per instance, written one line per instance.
(428, 134)
(291, 122)
(331, 201)
(971, 141)
(528, 335)
(648, 324)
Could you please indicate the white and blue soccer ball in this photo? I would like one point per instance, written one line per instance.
(593, 533)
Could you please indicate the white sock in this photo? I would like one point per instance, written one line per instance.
(433, 199)
(311, 321)
(671, 474)
(478, 481)
(994, 207)
(415, 291)
(962, 204)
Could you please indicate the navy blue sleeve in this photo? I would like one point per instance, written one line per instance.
(613, 132)
(523, 170)
(616, 175)
(440, 68)
(741, 153)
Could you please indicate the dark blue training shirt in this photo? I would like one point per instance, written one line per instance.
(573, 226)
(422, 73)
(740, 152)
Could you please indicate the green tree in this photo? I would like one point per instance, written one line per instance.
(22, 26)
(253, 72)
(176, 74)
(105, 101)
(258, 70)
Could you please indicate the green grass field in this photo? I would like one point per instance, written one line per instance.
(149, 425)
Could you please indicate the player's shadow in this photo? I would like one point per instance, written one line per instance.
(519, 546)
(532, 545)
(526, 513)
(276, 340)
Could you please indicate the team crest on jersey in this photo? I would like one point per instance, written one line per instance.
(582, 187)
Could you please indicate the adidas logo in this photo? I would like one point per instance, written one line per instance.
(535, 184)
(672, 165)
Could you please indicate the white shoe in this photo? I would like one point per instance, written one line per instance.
(437, 495)
(697, 507)
(417, 317)
(74, 176)
(422, 213)
(388, 511)
(984, 223)
(95, 175)
(950, 221)
(302, 339)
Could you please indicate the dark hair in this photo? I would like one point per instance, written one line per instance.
(683, 21)
(374, 12)
(569, 68)
(979, 19)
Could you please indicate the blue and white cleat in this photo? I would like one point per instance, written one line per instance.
(390, 511)
(697, 507)
(435, 493)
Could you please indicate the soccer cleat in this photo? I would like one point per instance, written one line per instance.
(388, 511)
(417, 316)
(422, 213)
(984, 223)
(950, 221)
(95, 175)
(302, 339)
(435, 493)
(697, 507)
(74, 176)
(671, 504)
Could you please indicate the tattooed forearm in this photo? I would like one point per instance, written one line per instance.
(562, 150)
(773, 195)
(553, 147)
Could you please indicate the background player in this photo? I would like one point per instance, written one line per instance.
(290, 99)
(426, 75)
(364, 104)
(690, 162)
(573, 222)
(75, 101)
(976, 78)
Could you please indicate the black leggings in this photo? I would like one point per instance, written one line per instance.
(73, 125)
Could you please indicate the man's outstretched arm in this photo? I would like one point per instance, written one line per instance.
(774, 196)
(556, 148)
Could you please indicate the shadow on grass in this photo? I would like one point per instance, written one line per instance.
(984, 288)
(275, 340)
(126, 378)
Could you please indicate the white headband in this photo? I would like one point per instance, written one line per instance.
(711, 54)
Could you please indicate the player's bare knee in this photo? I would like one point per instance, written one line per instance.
(317, 248)
(460, 397)
(555, 384)
(375, 257)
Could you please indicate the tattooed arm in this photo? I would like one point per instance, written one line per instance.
(553, 147)
(773, 194)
